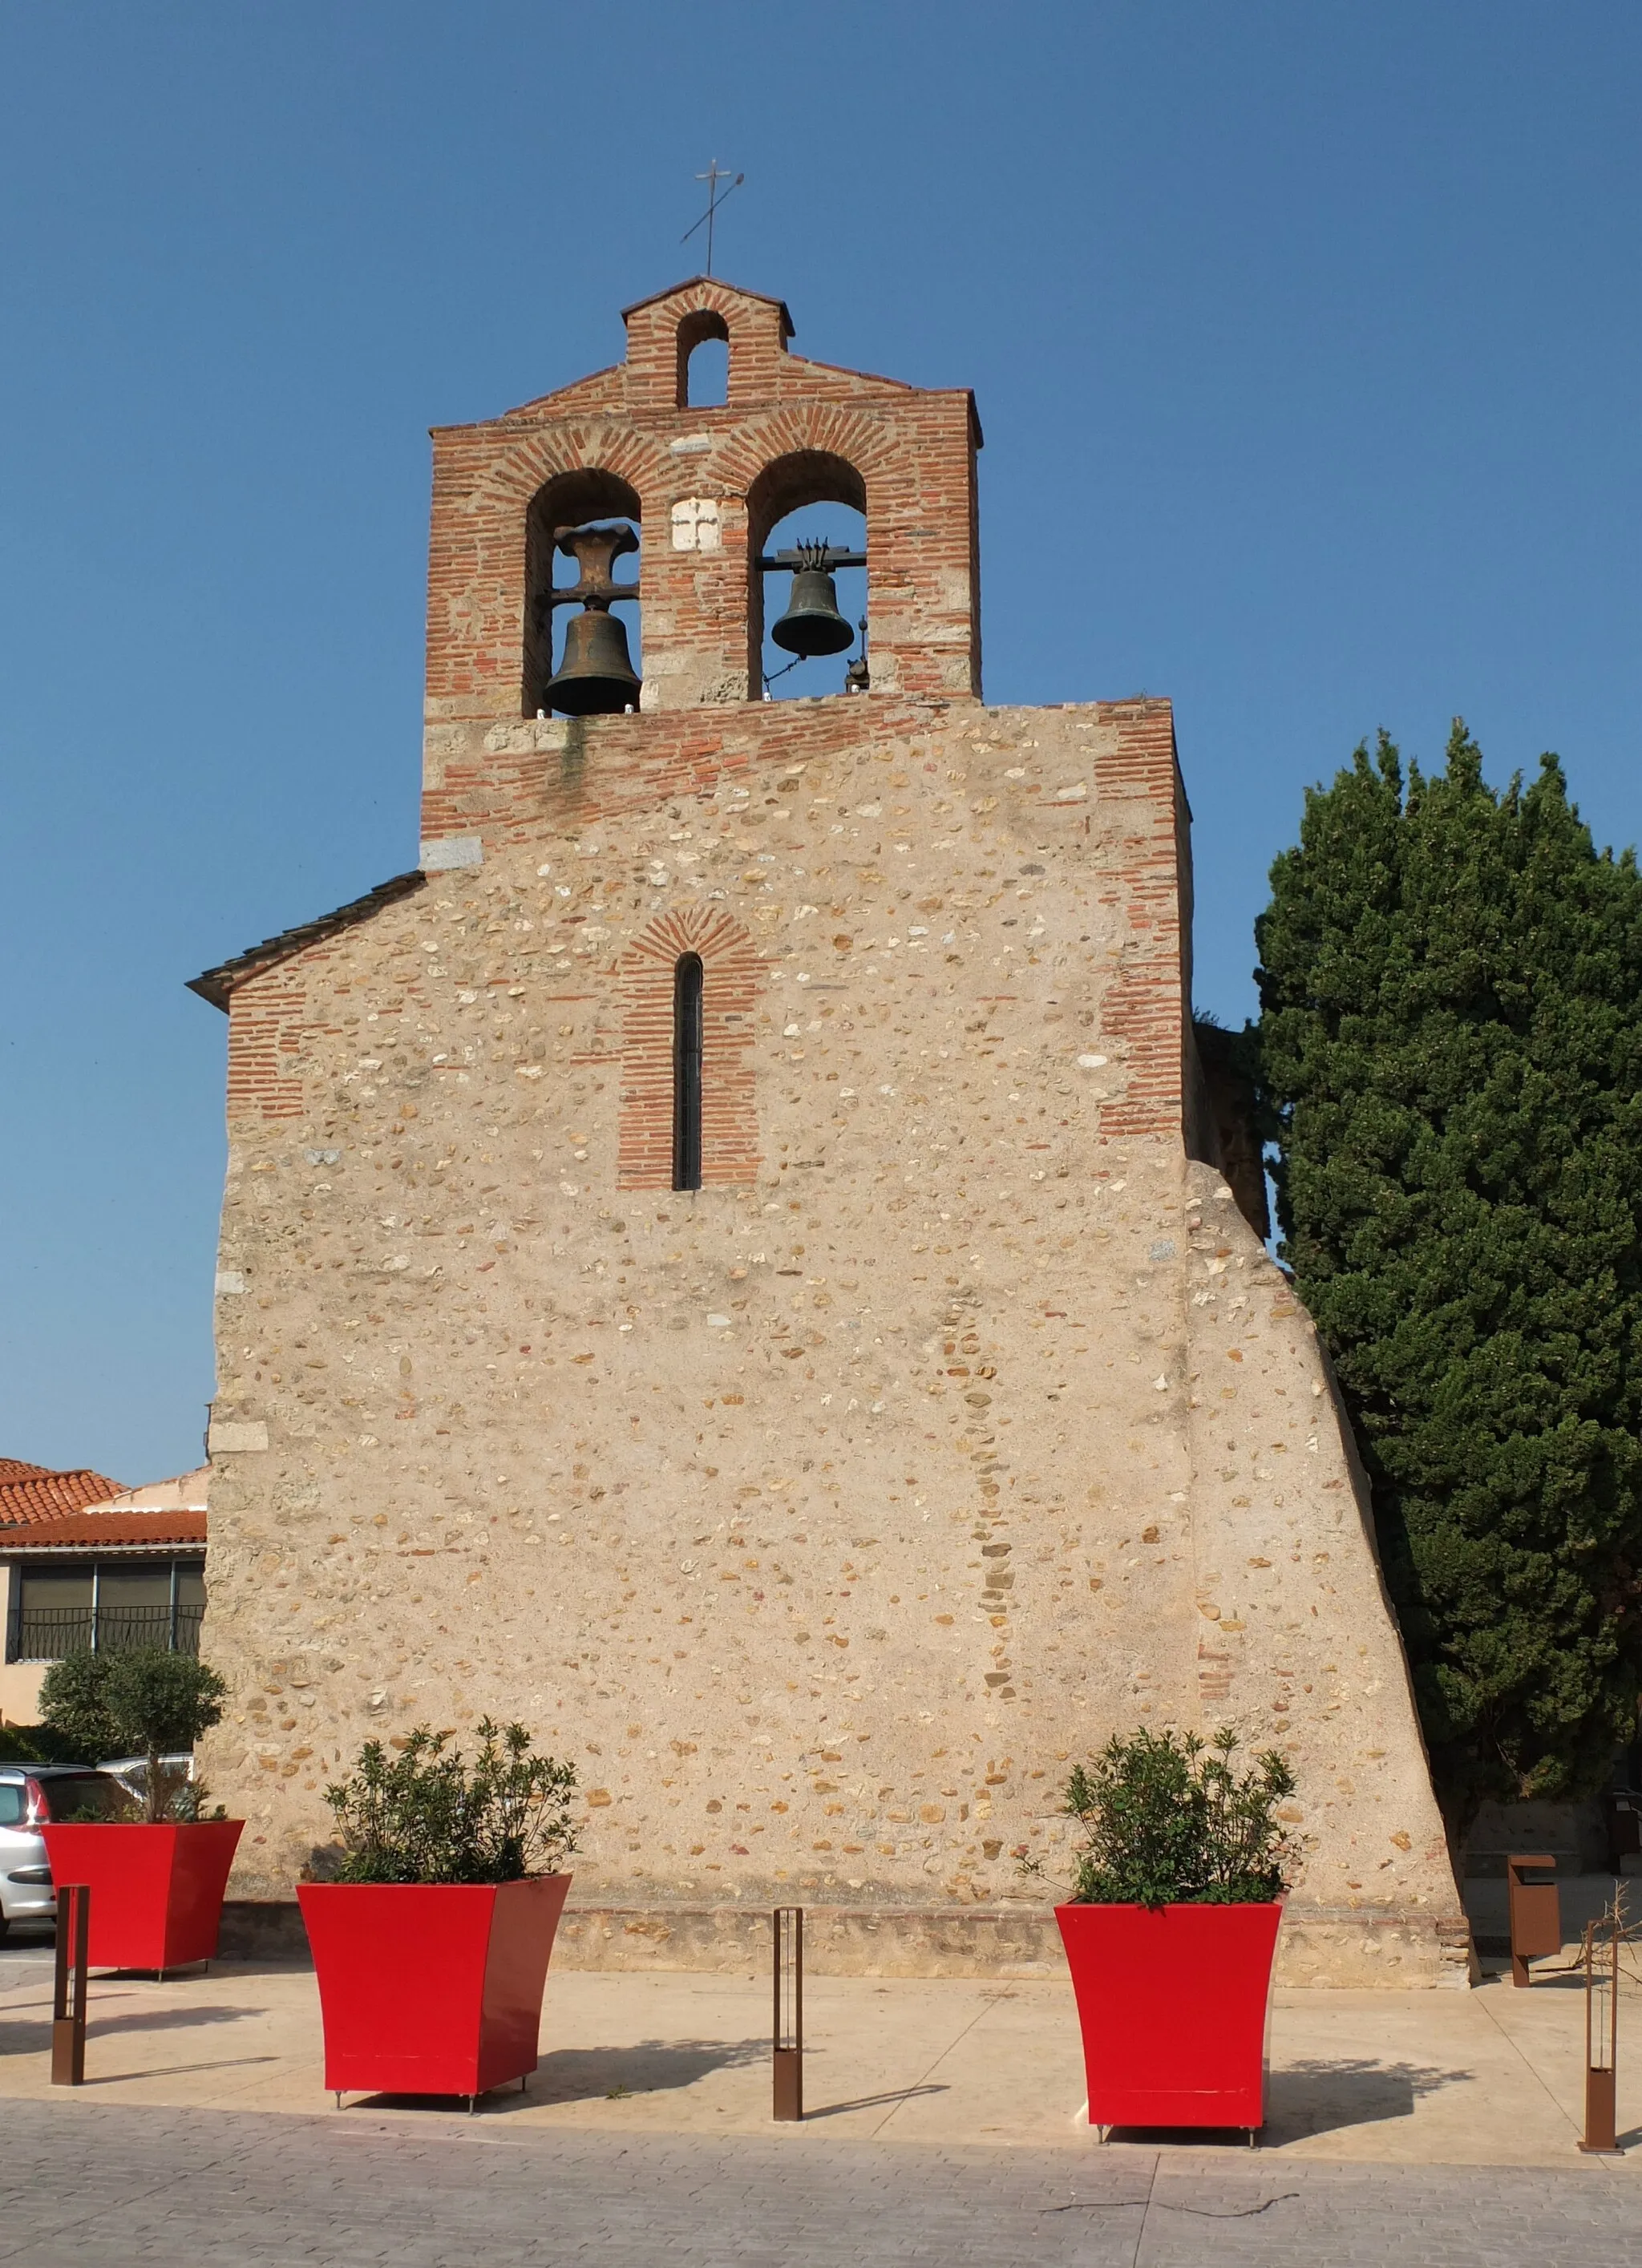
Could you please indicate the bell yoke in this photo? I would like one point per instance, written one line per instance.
(596, 677)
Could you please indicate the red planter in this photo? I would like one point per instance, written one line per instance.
(1173, 2007)
(157, 1892)
(430, 1988)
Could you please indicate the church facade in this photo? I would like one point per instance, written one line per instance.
(729, 1262)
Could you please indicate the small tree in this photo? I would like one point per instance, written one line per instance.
(73, 1706)
(143, 1700)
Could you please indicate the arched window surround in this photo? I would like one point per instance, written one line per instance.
(786, 484)
(733, 977)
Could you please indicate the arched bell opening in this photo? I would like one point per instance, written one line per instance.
(582, 654)
(703, 360)
(806, 540)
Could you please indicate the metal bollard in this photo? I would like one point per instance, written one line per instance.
(1536, 1910)
(68, 1999)
(1601, 2032)
(788, 2045)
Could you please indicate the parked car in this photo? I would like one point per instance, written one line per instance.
(132, 1771)
(31, 1794)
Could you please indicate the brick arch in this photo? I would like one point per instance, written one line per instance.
(735, 976)
(478, 562)
(542, 453)
(758, 327)
(787, 483)
(826, 451)
(861, 439)
(568, 499)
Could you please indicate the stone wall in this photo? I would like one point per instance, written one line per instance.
(824, 1515)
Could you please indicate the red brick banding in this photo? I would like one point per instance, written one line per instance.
(265, 1046)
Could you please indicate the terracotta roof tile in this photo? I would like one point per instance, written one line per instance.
(29, 1493)
(93, 1531)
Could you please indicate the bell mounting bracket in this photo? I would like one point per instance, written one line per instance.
(826, 555)
(595, 551)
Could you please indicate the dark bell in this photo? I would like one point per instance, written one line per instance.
(595, 678)
(812, 624)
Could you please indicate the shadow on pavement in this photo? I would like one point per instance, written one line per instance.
(1320, 2096)
(583, 2075)
(33, 2036)
(647, 2067)
(174, 2070)
(871, 2101)
(1315, 2097)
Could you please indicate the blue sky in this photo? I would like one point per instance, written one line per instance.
(1305, 336)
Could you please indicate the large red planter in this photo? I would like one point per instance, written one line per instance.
(430, 1988)
(157, 1892)
(1173, 2007)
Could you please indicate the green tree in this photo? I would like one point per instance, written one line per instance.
(73, 1706)
(1451, 1039)
(139, 1699)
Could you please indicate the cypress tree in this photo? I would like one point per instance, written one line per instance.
(1451, 1043)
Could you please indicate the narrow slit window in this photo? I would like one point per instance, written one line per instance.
(687, 1072)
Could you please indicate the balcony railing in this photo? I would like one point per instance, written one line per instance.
(48, 1633)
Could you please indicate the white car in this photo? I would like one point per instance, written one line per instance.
(132, 1771)
(31, 1794)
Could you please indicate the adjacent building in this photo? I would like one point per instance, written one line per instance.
(87, 1563)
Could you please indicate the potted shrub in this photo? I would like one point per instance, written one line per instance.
(157, 1871)
(432, 1940)
(1170, 1928)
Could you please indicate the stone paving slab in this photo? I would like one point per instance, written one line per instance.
(1493, 2077)
(99, 2186)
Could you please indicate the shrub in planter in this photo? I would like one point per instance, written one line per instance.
(432, 1932)
(1171, 1927)
(156, 1875)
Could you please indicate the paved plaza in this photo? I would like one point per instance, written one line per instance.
(1489, 2078)
(944, 2126)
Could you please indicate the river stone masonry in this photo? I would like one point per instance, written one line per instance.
(823, 1515)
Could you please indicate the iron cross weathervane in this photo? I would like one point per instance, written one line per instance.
(713, 175)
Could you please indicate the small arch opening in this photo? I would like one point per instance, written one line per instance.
(570, 500)
(688, 1028)
(704, 361)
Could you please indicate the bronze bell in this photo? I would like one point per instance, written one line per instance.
(595, 678)
(812, 624)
